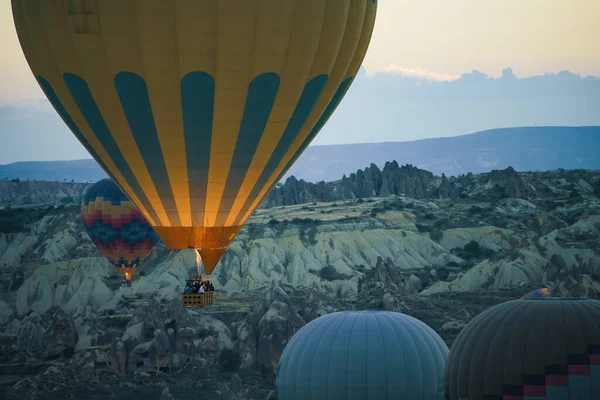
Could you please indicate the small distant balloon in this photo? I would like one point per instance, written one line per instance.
(536, 294)
(117, 227)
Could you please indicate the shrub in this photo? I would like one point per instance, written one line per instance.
(473, 248)
(14, 220)
(67, 200)
(229, 361)
(436, 236)
(329, 273)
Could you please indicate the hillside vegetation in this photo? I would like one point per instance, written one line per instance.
(440, 249)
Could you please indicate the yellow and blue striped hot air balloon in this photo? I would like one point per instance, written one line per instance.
(117, 227)
(195, 108)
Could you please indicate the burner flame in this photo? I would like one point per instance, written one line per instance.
(198, 261)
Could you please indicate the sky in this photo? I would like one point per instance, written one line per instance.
(420, 43)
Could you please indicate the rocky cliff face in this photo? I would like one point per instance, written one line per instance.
(413, 182)
(37, 193)
(447, 252)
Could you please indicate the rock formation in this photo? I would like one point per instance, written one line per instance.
(441, 249)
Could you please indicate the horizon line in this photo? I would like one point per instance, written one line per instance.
(370, 143)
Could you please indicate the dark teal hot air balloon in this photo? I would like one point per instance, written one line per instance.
(537, 348)
(363, 355)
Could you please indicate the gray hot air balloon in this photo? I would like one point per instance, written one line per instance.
(363, 355)
(536, 348)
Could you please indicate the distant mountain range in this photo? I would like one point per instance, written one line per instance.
(76, 170)
(525, 149)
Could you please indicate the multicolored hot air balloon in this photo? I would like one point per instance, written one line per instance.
(535, 294)
(116, 226)
(540, 348)
(196, 109)
(363, 355)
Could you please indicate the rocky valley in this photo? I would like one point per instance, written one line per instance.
(441, 249)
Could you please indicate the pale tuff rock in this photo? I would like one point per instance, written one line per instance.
(585, 187)
(575, 244)
(222, 332)
(516, 206)
(31, 336)
(167, 279)
(452, 326)
(73, 284)
(61, 335)
(134, 332)
(13, 328)
(245, 345)
(522, 268)
(289, 260)
(16, 246)
(58, 246)
(276, 327)
(16, 193)
(488, 237)
(6, 312)
(86, 336)
(584, 287)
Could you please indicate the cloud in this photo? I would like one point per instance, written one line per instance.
(419, 73)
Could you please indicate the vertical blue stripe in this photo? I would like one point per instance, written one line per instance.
(375, 359)
(197, 99)
(395, 365)
(437, 350)
(310, 95)
(259, 103)
(307, 359)
(319, 374)
(335, 101)
(133, 94)
(337, 379)
(413, 369)
(293, 370)
(356, 378)
(107, 190)
(54, 100)
(87, 105)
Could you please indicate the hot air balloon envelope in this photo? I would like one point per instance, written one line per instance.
(195, 109)
(536, 294)
(116, 226)
(546, 348)
(363, 355)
